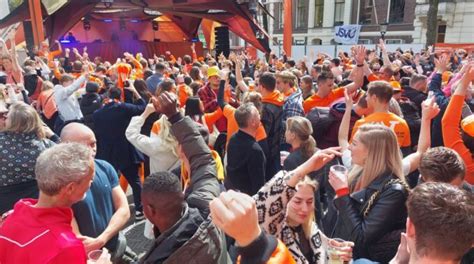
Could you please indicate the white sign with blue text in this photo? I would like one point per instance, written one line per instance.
(347, 34)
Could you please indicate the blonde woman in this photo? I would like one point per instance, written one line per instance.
(46, 104)
(299, 135)
(285, 207)
(374, 214)
(21, 142)
(160, 146)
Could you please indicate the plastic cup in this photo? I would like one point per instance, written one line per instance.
(94, 255)
(339, 170)
(334, 252)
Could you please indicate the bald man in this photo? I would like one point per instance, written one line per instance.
(104, 211)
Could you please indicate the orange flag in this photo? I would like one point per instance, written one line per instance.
(288, 27)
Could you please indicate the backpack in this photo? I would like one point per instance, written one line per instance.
(321, 120)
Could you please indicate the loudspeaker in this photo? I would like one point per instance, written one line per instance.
(222, 41)
(155, 25)
(122, 25)
(86, 24)
(29, 39)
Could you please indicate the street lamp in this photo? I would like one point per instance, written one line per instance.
(383, 30)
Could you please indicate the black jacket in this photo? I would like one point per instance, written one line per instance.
(387, 215)
(415, 96)
(271, 119)
(90, 102)
(245, 164)
(194, 238)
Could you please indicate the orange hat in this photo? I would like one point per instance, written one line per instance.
(467, 125)
(445, 77)
(396, 86)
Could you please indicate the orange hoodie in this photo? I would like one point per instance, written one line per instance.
(452, 134)
(275, 98)
(233, 127)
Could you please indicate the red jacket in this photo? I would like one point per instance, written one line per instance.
(39, 235)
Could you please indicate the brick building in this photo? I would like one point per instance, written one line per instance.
(314, 20)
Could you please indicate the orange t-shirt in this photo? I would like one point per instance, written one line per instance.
(47, 103)
(183, 94)
(316, 101)
(396, 123)
(232, 126)
(452, 134)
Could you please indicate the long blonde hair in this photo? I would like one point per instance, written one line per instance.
(383, 156)
(169, 142)
(309, 224)
(302, 128)
(23, 118)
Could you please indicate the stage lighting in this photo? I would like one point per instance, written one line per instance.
(86, 23)
(155, 25)
(107, 3)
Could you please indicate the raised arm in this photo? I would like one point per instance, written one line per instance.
(452, 117)
(204, 185)
(16, 65)
(238, 73)
(430, 110)
(343, 135)
(357, 72)
(386, 59)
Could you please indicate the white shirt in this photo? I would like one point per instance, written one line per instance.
(66, 102)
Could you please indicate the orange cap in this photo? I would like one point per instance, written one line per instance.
(467, 125)
(396, 86)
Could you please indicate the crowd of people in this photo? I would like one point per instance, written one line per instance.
(366, 156)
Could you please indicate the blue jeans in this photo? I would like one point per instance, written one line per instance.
(364, 261)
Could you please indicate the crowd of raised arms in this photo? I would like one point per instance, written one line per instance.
(364, 157)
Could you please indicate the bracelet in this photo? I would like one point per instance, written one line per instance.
(342, 192)
(360, 65)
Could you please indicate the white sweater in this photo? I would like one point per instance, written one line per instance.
(161, 158)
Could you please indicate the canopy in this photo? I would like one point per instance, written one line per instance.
(186, 16)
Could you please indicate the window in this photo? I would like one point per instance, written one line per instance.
(318, 13)
(316, 41)
(441, 33)
(339, 12)
(364, 41)
(366, 10)
(393, 41)
(301, 13)
(397, 11)
(278, 14)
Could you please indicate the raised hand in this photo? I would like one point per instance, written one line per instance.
(166, 103)
(348, 100)
(442, 64)
(360, 52)
(382, 45)
(236, 214)
(429, 108)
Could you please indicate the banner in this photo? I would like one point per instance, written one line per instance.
(288, 27)
(347, 34)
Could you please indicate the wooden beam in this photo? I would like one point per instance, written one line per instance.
(36, 17)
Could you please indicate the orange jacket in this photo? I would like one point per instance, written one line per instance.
(452, 134)
(281, 255)
(275, 98)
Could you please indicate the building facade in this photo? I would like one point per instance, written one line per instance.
(314, 20)
(455, 21)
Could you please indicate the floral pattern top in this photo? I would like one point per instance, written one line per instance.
(272, 200)
(18, 154)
